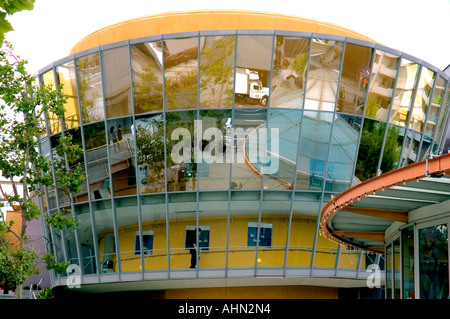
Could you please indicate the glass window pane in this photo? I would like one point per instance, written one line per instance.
(283, 133)
(382, 85)
(406, 80)
(153, 216)
(354, 79)
(433, 259)
(422, 100)
(389, 271)
(410, 149)
(90, 86)
(181, 167)
(105, 235)
(247, 141)
(323, 75)
(303, 229)
(116, 66)
(408, 263)
(213, 213)
(147, 63)
(122, 156)
(313, 152)
(392, 148)
(276, 208)
(77, 140)
(289, 72)
(344, 143)
(348, 258)
(48, 79)
(182, 212)
(97, 160)
(66, 78)
(254, 55)
(181, 74)
(441, 129)
(150, 145)
(214, 165)
(127, 226)
(397, 267)
(435, 106)
(216, 71)
(244, 209)
(86, 238)
(369, 149)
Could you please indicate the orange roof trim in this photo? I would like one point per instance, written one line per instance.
(412, 172)
(188, 21)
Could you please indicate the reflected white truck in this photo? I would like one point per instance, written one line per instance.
(248, 85)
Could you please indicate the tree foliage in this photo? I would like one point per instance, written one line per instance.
(9, 7)
(23, 106)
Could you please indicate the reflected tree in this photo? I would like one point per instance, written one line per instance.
(216, 71)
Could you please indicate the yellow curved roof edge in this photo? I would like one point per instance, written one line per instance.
(200, 20)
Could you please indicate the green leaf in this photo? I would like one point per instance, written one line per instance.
(13, 6)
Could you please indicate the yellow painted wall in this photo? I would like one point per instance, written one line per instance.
(299, 253)
(207, 20)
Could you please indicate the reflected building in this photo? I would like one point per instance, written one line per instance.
(231, 130)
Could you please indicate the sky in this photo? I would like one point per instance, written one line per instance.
(417, 27)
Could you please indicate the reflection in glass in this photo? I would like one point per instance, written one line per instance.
(70, 245)
(397, 268)
(354, 79)
(403, 95)
(116, 72)
(104, 233)
(284, 130)
(392, 148)
(67, 78)
(253, 62)
(153, 217)
(214, 166)
(48, 79)
(244, 212)
(344, 143)
(408, 263)
(86, 239)
(369, 149)
(433, 262)
(276, 207)
(63, 195)
(213, 213)
(248, 143)
(150, 144)
(182, 213)
(90, 88)
(441, 129)
(289, 72)
(389, 271)
(435, 106)
(216, 71)
(97, 160)
(422, 100)
(122, 156)
(147, 63)
(303, 228)
(181, 165)
(313, 152)
(410, 149)
(323, 75)
(77, 140)
(127, 226)
(181, 63)
(382, 85)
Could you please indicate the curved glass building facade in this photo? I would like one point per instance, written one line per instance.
(240, 134)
